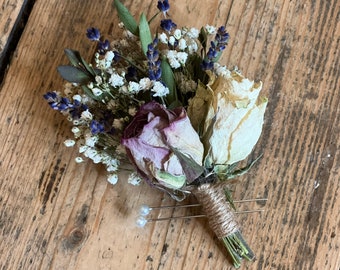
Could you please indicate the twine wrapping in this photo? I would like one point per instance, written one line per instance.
(217, 209)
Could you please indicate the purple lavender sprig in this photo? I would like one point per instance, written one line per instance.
(168, 25)
(63, 104)
(163, 6)
(93, 34)
(216, 48)
(154, 63)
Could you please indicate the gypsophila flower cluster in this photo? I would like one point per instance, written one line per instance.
(101, 98)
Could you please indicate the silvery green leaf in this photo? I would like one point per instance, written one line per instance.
(144, 33)
(73, 56)
(74, 74)
(77, 61)
(126, 17)
(89, 68)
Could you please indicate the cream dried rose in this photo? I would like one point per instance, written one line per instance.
(229, 114)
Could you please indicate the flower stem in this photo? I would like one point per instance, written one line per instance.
(237, 248)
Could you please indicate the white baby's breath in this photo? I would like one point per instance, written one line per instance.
(79, 160)
(116, 80)
(221, 70)
(112, 179)
(145, 84)
(177, 34)
(210, 29)
(76, 132)
(83, 148)
(99, 79)
(91, 140)
(182, 44)
(96, 91)
(193, 33)
(77, 98)
(96, 159)
(134, 179)
(174, 63)
(109, 56)
(86, 115)
(182, 57)
(90, 152)
(163, 38)
(192, 46)
(69, 143)
(176, 59)
(172, 40)
(159, 89)
(133, 87)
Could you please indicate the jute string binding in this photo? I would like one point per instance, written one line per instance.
(217, 209)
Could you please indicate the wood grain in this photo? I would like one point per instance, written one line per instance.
(13, 17)
(55, 214)
(9, 12)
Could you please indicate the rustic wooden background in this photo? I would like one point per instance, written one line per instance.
(55, 214)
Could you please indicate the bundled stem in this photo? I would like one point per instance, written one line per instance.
(222, 221)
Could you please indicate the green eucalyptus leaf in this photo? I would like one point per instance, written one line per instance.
(73, 56)
(89, 68)
(126, 17)
(74, 74)
(169, 80)
(76, 60)
(144, 33)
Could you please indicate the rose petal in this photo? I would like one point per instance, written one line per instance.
(246, 135)
(181, 136)
(143, 152)
(151, 133)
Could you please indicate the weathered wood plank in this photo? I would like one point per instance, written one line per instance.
(13, 14)
(9, 12)
(56, 214)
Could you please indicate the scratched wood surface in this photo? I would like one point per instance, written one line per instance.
(9, 13)
(55, 214)
(13, 17)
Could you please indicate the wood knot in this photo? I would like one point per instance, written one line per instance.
(75, 238)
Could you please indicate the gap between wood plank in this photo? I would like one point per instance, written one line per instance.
(14, 37)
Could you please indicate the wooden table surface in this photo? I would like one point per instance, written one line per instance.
(56, 214)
